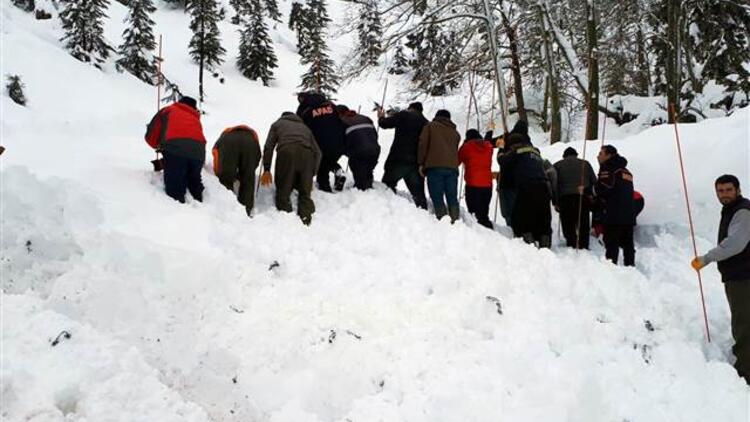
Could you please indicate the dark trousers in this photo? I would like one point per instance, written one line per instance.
(328, 164)
(571, 223)
(442, 182)
(182, 174)
(362, 168)
(738, 296)
(478, 203)
(616, 237)
(531, 211)
(295, 167)
(414, 181)
(238, 160)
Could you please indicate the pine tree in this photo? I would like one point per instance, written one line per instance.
(436, 64)
(400, 64)
(272, 9)
(241, 8)
(370, 33)
(311, 22)
(136, 51)
(25, 5)
(15, 90)
(205, 46)
(256, 59)
(721, 42)
(83, 23)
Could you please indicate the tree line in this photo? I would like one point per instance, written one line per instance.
(579, 51)
(83, 25)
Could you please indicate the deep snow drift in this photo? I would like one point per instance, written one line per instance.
(374, 313)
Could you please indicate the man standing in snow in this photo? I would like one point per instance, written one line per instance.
(319, 114)
(236, 156)
(476, 156)
(402, 158)
(574, 197)
(614, 190)
(522, 170)
(361, 146)
(296, 164)
(438, 161)
(176, 132)
(732, 256)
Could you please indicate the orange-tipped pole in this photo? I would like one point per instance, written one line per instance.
(690, 219)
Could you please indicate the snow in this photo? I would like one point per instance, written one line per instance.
(375, 312)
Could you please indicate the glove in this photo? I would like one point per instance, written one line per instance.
(698, 263)
(266, 178)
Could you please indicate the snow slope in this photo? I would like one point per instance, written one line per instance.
(375, 312)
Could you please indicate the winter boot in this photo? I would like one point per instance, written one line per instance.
(528, 238)
(440, 212)
(545, 241)
(454, 213)
(339, 179)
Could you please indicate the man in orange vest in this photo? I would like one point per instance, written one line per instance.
(236, 156)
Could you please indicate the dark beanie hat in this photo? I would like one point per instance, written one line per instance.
(443, 113)
(341, 108)
(570, 151)
(189, 101)
(473, 134)
(521, 127)
(609, 149)
(514, 139)
(416, 106)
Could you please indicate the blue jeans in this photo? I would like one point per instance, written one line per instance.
(442, 182)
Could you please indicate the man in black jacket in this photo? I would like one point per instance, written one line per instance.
(733, 258)
(614, 190)
(522, 170)
(575, 178)
(361, 146)
(402, 158)
(321, 117)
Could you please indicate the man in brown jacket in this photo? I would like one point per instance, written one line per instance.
(296, 164)
(438, 161)
(236, 156)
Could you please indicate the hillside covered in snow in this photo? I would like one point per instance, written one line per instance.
(375, 312)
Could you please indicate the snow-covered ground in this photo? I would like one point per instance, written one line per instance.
(376, 312)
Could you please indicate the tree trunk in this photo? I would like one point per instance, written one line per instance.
(203, 53)
(544, 114)
(554, 93)
(592, 99)
(643, 76)
(510, 32)
(673, 70)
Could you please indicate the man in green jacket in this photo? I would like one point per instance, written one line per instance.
(297, 162)
(236, 156)
(438, 161)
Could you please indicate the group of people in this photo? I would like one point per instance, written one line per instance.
(310, 142)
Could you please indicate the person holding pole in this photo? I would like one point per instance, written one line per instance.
(401, 162)
(732, 256)
(476, 156)
(177, 133)
(572, 193)
(614, 190)
(236, 155)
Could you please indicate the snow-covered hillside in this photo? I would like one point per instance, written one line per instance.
(376, 312)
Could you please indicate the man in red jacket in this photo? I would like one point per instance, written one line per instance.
(176, 132)
(476, 156)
